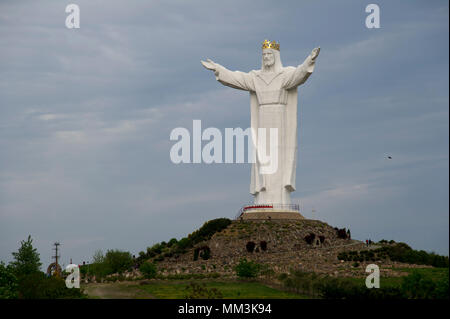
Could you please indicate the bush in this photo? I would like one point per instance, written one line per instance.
(403, 253)
(343, 256)
(247, 269)
(397, 252)
(342, 233)
(196, 291)
(149, 270)
(39, 286)
(8, 282)
(118, 261)
(175, 248)
(208, 229)
(184, 243)
(306, 283)
(415, 286)
(418, 286)
(172, 242)
(334, 288)
(99, 270)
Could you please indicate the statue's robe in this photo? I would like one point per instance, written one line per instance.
(273, 103)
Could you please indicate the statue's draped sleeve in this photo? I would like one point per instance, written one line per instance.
(235, 79)
(297, 76)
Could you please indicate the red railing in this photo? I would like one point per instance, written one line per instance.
(279, 206)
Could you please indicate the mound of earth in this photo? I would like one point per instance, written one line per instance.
(282, 245)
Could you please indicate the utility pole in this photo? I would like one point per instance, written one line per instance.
(56, 254)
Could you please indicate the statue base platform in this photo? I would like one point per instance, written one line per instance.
(269, 214)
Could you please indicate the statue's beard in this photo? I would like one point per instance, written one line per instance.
(269, 65)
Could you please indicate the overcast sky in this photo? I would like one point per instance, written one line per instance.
(86, 115)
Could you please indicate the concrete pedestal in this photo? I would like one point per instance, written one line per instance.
(268, 214)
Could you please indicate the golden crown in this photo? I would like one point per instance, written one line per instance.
(271, 45)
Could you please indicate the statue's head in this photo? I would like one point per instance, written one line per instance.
(271, 60)
(268, 57)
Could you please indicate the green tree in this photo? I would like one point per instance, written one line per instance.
(248, 269)
(26, 260)
(118, 261)
(148, 269)
(98, 257)
(8, 282)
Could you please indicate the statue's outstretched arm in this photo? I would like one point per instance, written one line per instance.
(235, 79)
(301, 73)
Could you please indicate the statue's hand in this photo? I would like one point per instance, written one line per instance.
(210, 65)
(315, 53)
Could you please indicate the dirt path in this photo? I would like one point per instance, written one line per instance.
(116, 290)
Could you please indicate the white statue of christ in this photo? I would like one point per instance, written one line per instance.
(273, 104)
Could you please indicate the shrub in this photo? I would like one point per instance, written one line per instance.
(418, 286)
(342, 256)
(99, 270)
(8, 282)
(208, 229)
(149, 270)
(168, 254)
(39, 286)
(184, 243)
(282, 277)
(247, 269)
(118, 261)
(172, 242)
(403, 253)
(302, 282)
(342, 233)
(414, 285)
(196, 291)
(250, 246)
